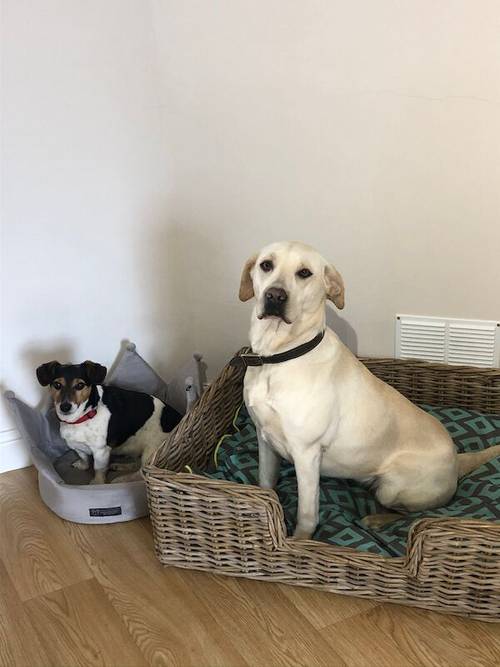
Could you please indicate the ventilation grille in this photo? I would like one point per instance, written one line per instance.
(470, 342)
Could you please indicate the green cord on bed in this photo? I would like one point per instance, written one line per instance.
(221, 440)
(226, 435)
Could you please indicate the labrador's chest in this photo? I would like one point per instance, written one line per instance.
(264, 402)
(293, 408)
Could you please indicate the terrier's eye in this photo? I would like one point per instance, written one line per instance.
(266, 266)
(304, 273)
(79, 386)
(57, 385)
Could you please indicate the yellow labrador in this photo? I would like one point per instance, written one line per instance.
(317, 406)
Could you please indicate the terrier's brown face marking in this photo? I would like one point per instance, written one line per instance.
(73, 391)
(71, 385)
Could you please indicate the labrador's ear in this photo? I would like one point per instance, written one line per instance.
(47, 373)
(246, 284)
(334, 286)
(93, 373)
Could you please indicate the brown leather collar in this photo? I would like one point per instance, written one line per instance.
(251, 359)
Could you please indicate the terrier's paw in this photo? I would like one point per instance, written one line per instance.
(124, 467)
(98, 479)
(80, 464)
(131, 477)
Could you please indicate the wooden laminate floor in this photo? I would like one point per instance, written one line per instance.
(96, 595)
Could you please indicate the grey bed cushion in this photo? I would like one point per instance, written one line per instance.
(133, 372)
(66, 490)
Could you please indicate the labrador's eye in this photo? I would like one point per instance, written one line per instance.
(79, 386)
(57, 385)
(266, 266)
(304, 273)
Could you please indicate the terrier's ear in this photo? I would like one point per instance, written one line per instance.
(334, 286)
(246, 284)
(93, 373)
(47, 373)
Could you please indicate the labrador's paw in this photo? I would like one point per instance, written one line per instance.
(302, 534)
(380, 520)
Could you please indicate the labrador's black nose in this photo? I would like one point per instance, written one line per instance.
(65, 407)
(276, 295)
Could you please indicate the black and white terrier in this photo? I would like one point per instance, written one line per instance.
(96, 419)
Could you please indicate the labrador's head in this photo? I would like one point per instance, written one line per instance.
(290, 280)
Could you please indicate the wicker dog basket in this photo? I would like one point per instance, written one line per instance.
(451, 565)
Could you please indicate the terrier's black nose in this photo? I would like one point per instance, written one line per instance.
(276, 295)
(65, 407)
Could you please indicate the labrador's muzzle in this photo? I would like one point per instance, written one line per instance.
(275, 300)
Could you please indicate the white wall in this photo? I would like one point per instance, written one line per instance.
(151, 146)
(89, 256)
(369, 129)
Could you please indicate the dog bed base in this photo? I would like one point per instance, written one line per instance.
(451, 565)
(65, 490)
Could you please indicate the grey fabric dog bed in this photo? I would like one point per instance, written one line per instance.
(66, 490)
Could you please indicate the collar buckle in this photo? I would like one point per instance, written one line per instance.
(247, 359)
(252, 359)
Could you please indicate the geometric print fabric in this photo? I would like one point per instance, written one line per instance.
(343, 503)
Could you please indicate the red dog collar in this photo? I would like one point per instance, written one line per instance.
(88, 415)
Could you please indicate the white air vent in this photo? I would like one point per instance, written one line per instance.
(472, 342)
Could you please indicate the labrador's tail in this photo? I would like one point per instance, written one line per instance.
(470, 461)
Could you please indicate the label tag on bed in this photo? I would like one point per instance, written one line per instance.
(105, 511)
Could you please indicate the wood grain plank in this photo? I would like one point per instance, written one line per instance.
(77, 627)
(33, 541)
(262, 623)
(435, 639)
(136, 612)
(160, 611)
(322, 608)
(19, 644)
(361, 643)
(406, 636)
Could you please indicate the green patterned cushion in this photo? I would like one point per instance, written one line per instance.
(343, 503)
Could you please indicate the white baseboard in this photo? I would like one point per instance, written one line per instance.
(13, 451)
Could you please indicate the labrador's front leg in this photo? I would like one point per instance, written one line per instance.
(269, 464)
(307, 468)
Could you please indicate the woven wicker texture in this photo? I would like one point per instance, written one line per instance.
(451, 565)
